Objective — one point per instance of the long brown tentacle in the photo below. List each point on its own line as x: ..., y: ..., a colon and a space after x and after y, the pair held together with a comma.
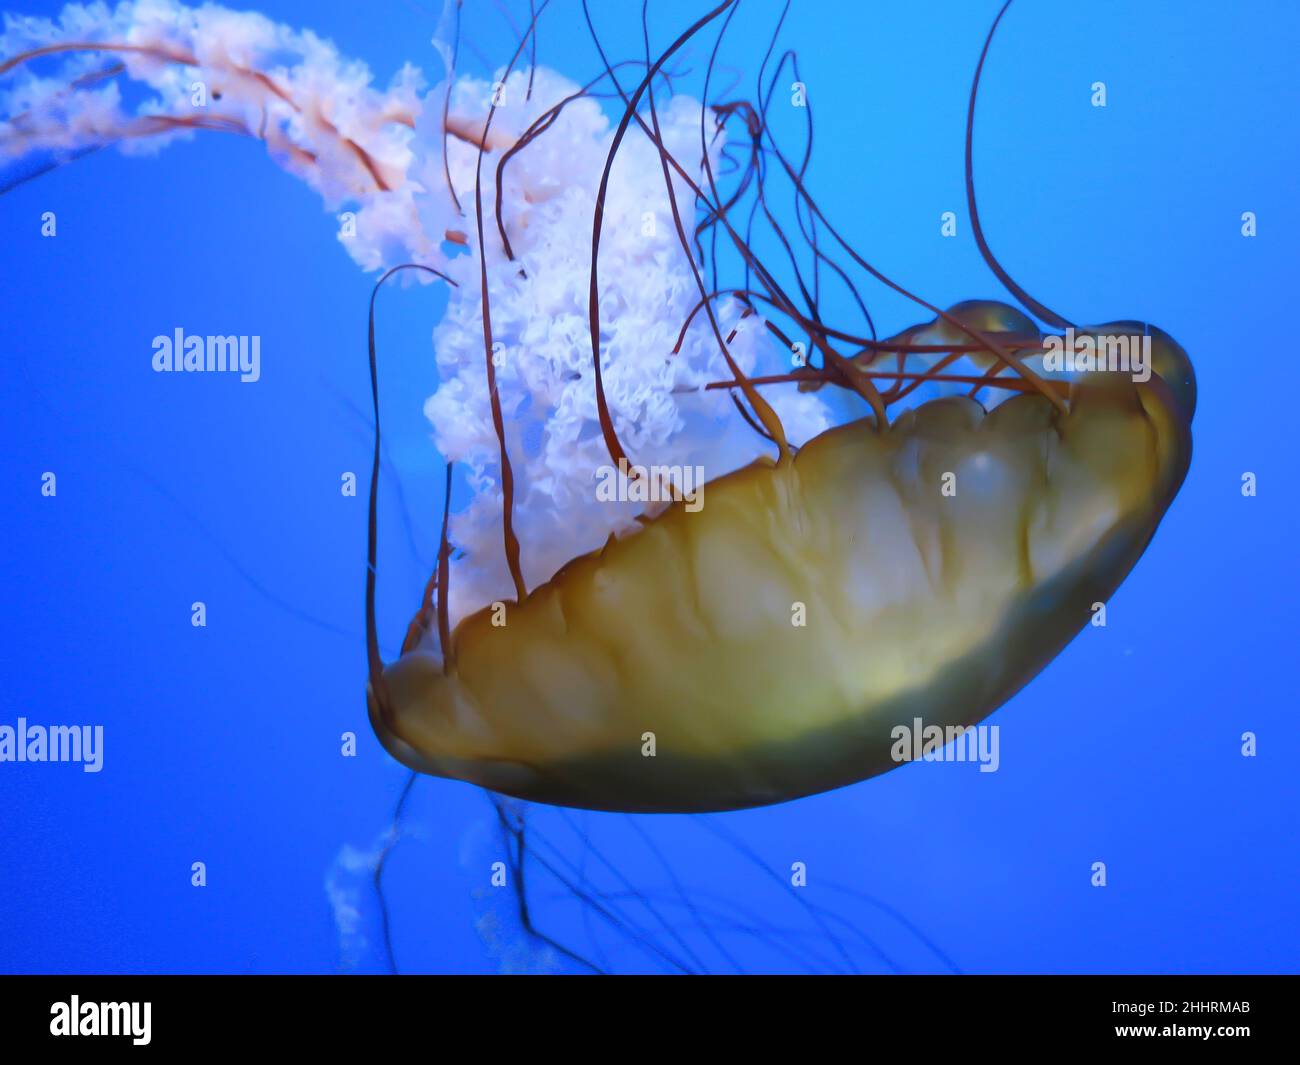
x: 762, y: 409
x: 612, y: 444
x: 374, y: 659
x: 508, y: 535
x: 1028, y: 301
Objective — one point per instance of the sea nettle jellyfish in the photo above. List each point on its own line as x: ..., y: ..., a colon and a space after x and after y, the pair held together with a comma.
x: 684, y: 583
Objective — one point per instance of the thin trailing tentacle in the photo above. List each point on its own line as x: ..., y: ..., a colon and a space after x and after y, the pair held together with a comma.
x: 762, y: 409
x: 508, y: 535
x: 377, y: 880
x: 612, y: 444
x: 374, y: 659
x: 1032, y: 305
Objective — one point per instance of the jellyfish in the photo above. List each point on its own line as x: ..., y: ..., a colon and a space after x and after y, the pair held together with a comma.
x: 770, y: 644
x: 687, y: 581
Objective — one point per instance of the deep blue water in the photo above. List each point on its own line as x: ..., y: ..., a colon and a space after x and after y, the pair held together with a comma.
x: 222, y: 744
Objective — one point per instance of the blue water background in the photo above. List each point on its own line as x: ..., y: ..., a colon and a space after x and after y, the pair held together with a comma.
x: 223, y: 743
